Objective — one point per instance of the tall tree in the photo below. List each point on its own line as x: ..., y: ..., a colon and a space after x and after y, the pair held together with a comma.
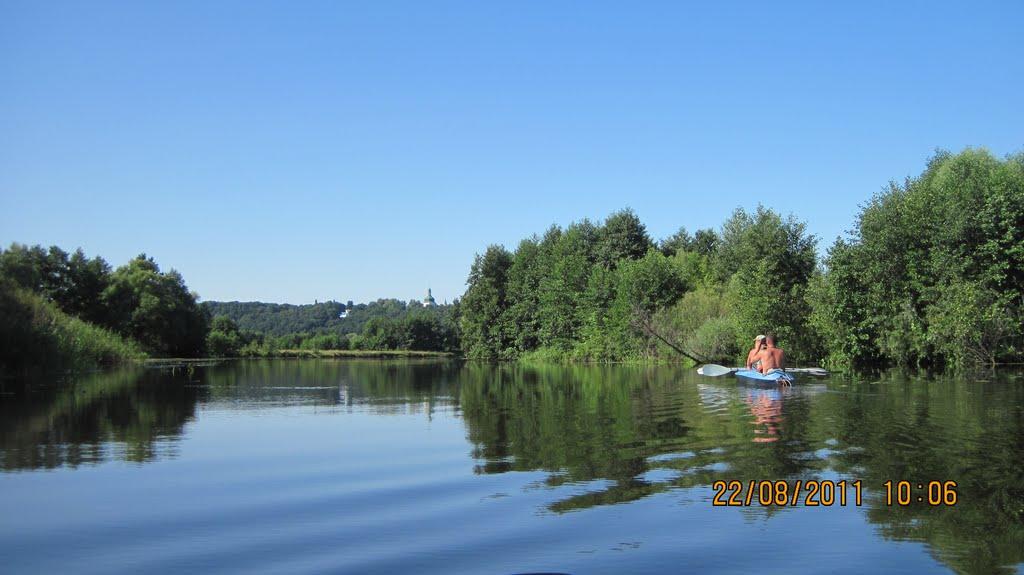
x: 622, y: 236
x: 524, y: 279
x: 767, y: 261
x: 484, y: 304
x: 680, y: 241
x: 156, y: 309
x: 87, y: 278
x: 561, y: 289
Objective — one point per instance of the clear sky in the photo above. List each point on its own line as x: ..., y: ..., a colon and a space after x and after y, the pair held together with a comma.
x: 292, y: 151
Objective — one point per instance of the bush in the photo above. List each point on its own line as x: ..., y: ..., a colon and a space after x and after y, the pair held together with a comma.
x: 971, y: 324
x: 701, y: 323
x: 933, y: 272
x: 715, y: 340
x: 35, y: 333
x: 325, y: 341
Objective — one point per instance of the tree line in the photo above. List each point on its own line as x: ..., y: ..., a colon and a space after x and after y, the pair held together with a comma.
x: 330, y: 317
x: 137, y: 302
x: 413, y: 327
x: 71, y: 311
x: 279, y: 319
x: 931, y: 275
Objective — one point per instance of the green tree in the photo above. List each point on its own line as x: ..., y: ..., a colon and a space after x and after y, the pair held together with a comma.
x: 383, y: 333
x: 29, y: 268
x: 644, y: 286
x: 597, y: 325
x: 51, y: 274
x: 524, y: 278
x: 224, y: 339
x: 839, y: 310
x: 424, y: 332
x: 680, y: 241
x: 766, y: 262
x: 705, y: 242
x: 156, y: 309
x: 621, y: 237
x: 484, y: 303
x: 650, y: 283
x: 933, y: 272
x: 562, y: 287
x: 87, y: 278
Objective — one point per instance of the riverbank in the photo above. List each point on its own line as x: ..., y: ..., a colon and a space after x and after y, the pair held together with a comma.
x: 309, y: 354
x: 36, y: 335
x: 360, y: 353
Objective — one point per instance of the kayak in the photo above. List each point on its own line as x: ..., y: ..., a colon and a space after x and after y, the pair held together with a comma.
x: 775, y: 377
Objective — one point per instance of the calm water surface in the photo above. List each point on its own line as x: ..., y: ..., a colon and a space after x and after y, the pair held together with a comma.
x: 427, y: 467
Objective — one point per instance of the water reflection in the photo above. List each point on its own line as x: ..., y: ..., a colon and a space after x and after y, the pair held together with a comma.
x: 766, y: 407
x: 601, y: 435
x: 133, y: 414
x: 625, y: 433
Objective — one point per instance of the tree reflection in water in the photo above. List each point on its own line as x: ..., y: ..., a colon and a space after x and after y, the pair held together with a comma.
x: 131, y: 414
x: 601, y: 434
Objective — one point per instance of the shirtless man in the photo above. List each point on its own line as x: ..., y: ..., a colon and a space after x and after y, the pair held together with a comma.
x: 771, y: 357
x: 752, y: 354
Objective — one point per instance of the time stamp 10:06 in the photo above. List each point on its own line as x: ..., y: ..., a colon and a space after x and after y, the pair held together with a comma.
x: 826, y: 493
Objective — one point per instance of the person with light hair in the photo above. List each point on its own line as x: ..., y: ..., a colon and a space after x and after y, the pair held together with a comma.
x: 752, y: 361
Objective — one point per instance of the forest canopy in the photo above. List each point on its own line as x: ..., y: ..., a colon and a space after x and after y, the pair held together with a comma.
x: 932, y: 275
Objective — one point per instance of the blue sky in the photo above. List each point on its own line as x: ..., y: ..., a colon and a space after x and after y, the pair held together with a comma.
x: 292, y: 151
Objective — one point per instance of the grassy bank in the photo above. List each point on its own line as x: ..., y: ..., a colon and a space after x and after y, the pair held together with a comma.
x: 35, y: 334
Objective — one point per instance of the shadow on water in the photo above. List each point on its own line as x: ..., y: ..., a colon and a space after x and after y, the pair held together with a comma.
x: 601, y: 435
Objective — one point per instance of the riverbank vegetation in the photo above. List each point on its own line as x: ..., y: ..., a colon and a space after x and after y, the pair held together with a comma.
x: 933, y: 272
x: 608, y: 292
x: 137, y: 301
x: 79, y: 313
x: 385, y: 325
x: 932, y: 275
x: 67, y: 311
x: 35, y: 332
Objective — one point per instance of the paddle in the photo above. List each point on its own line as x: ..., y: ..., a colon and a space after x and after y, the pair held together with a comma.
x: 715, y: 370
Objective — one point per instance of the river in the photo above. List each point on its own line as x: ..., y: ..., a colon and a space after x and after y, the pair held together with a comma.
x: 361, y: 466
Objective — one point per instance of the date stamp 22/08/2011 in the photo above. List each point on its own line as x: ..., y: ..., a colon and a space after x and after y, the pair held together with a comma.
x: 826, y: 493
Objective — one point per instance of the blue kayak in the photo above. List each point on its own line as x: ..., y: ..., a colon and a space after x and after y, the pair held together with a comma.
x: 775, y: 377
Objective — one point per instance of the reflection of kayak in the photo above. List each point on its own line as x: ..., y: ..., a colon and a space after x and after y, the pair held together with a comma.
x: 773, y: 378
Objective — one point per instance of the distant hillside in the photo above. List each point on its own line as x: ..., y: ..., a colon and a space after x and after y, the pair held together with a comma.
x: 282, y: 319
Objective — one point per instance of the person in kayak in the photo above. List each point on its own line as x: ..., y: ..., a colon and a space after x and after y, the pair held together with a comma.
x: 752, y: 361
x: 772, y: 358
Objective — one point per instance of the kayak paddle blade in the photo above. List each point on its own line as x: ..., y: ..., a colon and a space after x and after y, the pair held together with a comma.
x: 714, y: 370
